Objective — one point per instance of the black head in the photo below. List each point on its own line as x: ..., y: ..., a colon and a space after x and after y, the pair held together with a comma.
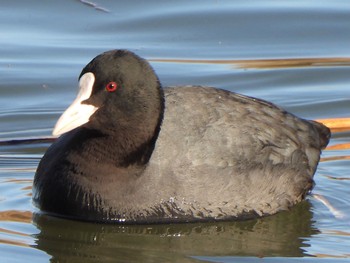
x: 126, y: 91
x: 120, y: 97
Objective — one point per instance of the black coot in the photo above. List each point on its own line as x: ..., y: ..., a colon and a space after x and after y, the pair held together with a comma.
x: 132, y: 152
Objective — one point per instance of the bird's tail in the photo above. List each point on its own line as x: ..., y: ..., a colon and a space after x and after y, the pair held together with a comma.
x: 324, y: 133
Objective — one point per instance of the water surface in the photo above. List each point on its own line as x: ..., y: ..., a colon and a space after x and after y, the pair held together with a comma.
x: 293, y: 53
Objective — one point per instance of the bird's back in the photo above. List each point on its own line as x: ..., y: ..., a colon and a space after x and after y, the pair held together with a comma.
x: 221, y: 154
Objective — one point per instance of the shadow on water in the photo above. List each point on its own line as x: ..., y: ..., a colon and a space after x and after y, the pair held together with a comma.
x: 275, y: 236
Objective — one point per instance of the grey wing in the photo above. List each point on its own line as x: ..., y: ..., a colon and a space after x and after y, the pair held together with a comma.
x: 240, y: 152
x: 223, y: 128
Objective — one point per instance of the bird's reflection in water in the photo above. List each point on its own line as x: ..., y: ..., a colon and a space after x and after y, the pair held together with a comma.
x: 73, y: 241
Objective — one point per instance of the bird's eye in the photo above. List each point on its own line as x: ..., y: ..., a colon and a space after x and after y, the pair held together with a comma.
x: 111, y: 86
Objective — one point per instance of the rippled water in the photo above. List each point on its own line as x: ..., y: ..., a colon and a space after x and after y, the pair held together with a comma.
x: 293, y: 53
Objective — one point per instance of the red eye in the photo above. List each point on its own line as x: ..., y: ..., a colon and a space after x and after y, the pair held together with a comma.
x: 111, y: 86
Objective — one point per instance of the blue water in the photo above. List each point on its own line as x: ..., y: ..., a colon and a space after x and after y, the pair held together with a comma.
x: 45, y: 44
